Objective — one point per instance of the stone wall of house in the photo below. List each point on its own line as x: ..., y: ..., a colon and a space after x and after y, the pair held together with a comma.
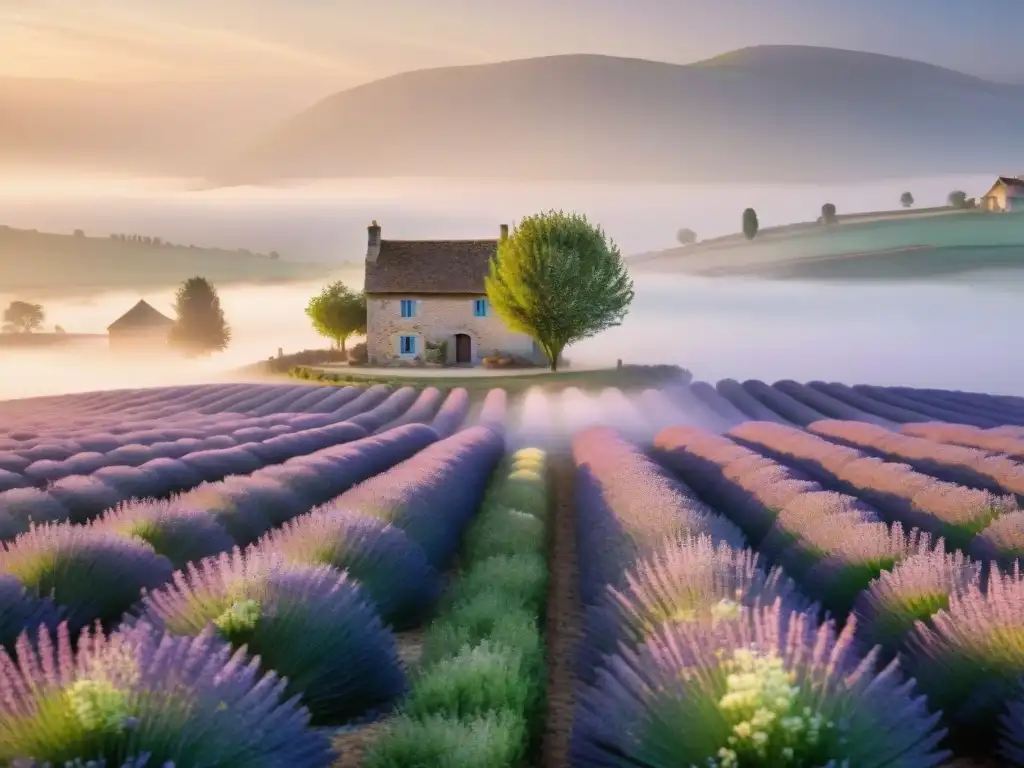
x: 438, y: 318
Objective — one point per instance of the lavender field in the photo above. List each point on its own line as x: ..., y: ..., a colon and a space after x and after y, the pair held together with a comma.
x: 729, y: 575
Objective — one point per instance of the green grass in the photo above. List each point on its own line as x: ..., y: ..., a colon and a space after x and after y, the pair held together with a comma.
x: 477, y: 698
x: 627, y: 377
x: 957, y: 231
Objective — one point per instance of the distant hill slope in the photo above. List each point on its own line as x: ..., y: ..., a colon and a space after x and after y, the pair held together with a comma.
x: 36, y: 264
x: 774, y: 113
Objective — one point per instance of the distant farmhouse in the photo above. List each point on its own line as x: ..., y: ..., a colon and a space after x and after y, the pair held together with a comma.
x: 140, y: 329
x: 429, y: 294
x: 1007, y: 194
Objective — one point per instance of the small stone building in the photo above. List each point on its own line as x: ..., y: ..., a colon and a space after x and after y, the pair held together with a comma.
x: 1007, y: 194
x: 420, y: 293
x: 141, y: 329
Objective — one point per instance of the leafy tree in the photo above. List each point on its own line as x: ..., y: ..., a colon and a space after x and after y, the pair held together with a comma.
x: 957, y: 199
x: 828, y: 213
x: 337, y: 313
x: 750, y: 223
x: 59, y: 329
x: 686, y: 236
x: 906, y: 200
x: 23, y: 317
x: 79, y: 233
x: 200, y: 328
x: 559, y: 279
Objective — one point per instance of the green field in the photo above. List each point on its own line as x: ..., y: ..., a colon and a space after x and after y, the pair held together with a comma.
x: 627, y: 377
x: 41, y: 264
x: 953, y: 242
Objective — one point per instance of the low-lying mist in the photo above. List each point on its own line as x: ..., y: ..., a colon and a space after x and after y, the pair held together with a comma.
x: 955, y: 335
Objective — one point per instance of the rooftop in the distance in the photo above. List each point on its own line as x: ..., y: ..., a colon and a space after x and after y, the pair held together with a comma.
x: 142, y: 315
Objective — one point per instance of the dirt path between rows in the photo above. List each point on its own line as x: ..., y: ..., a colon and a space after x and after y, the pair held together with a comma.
x: 562, y: 629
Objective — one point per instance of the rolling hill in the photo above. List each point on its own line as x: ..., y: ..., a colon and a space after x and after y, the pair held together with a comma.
x: 771, y: 113
x: 41, y: 264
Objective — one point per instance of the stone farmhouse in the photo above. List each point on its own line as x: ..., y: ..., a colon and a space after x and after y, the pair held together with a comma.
x: 1007, y: 194
x: 425, y: 295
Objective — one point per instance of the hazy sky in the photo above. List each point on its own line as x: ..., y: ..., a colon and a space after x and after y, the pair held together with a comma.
x: 343, y: 42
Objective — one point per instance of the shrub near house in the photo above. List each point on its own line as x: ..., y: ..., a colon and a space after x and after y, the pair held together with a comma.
x: 426, y: 302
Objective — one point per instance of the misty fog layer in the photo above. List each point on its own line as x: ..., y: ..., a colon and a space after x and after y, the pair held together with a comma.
x: 327, y: 221
x: 955, y: 335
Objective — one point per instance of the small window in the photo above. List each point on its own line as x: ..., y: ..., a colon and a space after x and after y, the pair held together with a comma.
x: 408, y: 308
x: 480, y: 307
x: 407, y: 345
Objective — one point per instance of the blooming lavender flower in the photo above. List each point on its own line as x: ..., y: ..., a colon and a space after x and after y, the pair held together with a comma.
x: 94, y: 575
x: 626, y: 506
x: 21, y: 612
x: 174, y: 530
x: 391, y: 568
x: 914, y: 590
x: 246, y: 507
x: 314, y: 626
x: 25, y: 506
x: 1002, y: 541
x: 433, y: 495
x: 1011, y: 743
x: 140, y: 697
x: 968, y: 659
x: 689, y: 579
x: 764, y: 689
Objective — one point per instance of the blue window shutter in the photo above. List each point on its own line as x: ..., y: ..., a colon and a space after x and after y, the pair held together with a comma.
x: 408, y: 307
x: 480, y: 307
x: 412, y: 345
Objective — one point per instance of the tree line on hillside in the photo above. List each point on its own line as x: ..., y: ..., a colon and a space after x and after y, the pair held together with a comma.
x: 157, y: 242
x: 957, y: 199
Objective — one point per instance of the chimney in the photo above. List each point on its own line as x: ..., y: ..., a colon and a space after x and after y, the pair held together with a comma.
x: 372, y: 242
x: 504, y: 231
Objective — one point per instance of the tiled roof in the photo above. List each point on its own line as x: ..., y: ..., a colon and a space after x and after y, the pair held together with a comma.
x: 430, y: 266
x: 142, y: 315
x: 1012, y: 181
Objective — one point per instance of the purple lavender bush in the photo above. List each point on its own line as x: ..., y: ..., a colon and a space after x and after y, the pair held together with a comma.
x: 143, y: 698
x: 1011, y: 742
x: 313, y: 626
x: 27, y: 506
x: 626, y: 507
x: 390, y: 567
x: 246, y: 507
x: 914, y: 590
x: 433, y: 495
x: 1002, y: 541
x: 84, y: 496
x: 93, y: 575
x: 20, y: 611
x: 766, y: 689
x: 967, y: 659
x: 452, y: 413
x: 178, y: 532
x: 687, y: 580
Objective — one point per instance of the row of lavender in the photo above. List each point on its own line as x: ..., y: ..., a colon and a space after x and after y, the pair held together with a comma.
x: 687, y: 627
x: 34, y: 417
x: 306, y: 592
x: 791, y: 403
x: 82, y: 486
